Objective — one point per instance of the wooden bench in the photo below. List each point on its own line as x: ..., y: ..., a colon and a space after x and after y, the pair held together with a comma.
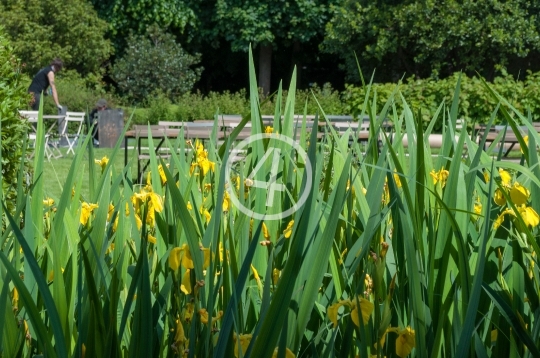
x: 507, y: 141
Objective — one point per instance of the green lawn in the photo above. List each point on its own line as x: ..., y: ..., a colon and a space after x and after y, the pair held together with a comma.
x: 56, y: 170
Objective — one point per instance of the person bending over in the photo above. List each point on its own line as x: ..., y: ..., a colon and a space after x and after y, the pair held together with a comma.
x: 41, y: 81
x: 101, y: 105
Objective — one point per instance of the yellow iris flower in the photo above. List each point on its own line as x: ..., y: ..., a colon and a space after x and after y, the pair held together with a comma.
x: 162, y: 174
x: 102, y: 162
x: 204, y: 316
x: 245, y: 340
x: 227, y: 203
x: 405, y: 342
x: 182, y: 256
x: 48, y: 202
x: 499, y: 197
x: 266, y: 234
x: 506, y: 178
x: 288, y: 231
x: 366, y: 308
x: 439, y: 177
x: 86, y: 211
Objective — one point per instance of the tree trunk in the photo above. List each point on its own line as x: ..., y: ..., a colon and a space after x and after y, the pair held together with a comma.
x: 265, y: 67
x: 296, y: 60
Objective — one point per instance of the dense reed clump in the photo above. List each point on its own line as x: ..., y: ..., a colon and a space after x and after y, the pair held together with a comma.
x: 393, y: 253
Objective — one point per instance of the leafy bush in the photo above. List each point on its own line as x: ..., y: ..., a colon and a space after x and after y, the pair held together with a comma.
x: 476, y: 102
x: 77, y: 93
x: 155, y: 62
x: 13, y: 97
x: 195, y: 106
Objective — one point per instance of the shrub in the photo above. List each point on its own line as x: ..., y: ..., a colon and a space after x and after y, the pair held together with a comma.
x: 476, y: 102
x: 77, y: 93
x: 155, y: 62
x: 14, y: 97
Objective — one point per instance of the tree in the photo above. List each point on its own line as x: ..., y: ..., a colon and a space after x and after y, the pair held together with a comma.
x: 155, y: 62
x: 431, y: 38
x: 41, y: 30
x: 127, y: 17
x: 268, y: 25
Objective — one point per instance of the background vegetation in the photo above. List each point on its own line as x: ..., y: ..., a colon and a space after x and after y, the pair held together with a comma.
x: 14, y: 164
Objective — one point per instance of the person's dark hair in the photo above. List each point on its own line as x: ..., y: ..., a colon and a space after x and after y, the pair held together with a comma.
x: 57, y: 63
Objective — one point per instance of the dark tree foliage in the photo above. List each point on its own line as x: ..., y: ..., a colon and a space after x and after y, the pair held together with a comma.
x: 41, y: 30
x: 126, y: 17
x: 155, y: 62
x: 433, y: 38
x: 270, y: 25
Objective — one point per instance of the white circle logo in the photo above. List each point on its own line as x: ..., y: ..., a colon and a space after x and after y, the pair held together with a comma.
x: 272, y: 186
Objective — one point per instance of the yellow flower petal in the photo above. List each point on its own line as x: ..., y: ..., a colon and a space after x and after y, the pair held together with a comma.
x: 288, y: 231
x: 519, y: 194
x: 186, y: 259
x: 266, y: 234
x: 505, y: 177
x: 499, y: 197
x: 477, y: 208
x: 366, y: 308
x: 186, y: 283
x: 332, y: 312
x: 162, y: 175
x: 288, y: 353
x: 174, y: 258
x: 275, y: 276
x: 204, y: 315
x: 179, y: 337
x: 530, y: 216
x: 244, y: 339
x: 405, y: 342
x: 434, y: 175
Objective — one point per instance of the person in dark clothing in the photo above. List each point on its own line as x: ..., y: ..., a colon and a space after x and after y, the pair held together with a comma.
x: 101, y: 105
x: 42, y: 80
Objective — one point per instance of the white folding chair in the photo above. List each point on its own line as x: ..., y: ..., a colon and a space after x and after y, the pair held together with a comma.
x: 32, y: 117
x: 74, y: 117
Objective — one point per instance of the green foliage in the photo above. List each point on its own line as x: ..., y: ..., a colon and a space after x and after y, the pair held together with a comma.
x: 125, y: 17
x: 77, y: 93
x: 41, y: 30
x: 380, y: 260
x: 434, y: 38
x: 476, y: 102
x: 14, y: 97
x: 155, y: 62
x: 195, y: 106
x: 269, y: 22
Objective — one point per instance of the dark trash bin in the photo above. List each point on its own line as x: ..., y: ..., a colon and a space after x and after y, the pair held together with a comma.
x: 110, y: 126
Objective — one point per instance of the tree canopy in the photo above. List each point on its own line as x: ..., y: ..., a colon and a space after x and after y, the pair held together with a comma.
x: 126, y: 17
x: 155, y: 62
x: 269, y: 24
x: 41, y: 30
x: 432, y: 38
